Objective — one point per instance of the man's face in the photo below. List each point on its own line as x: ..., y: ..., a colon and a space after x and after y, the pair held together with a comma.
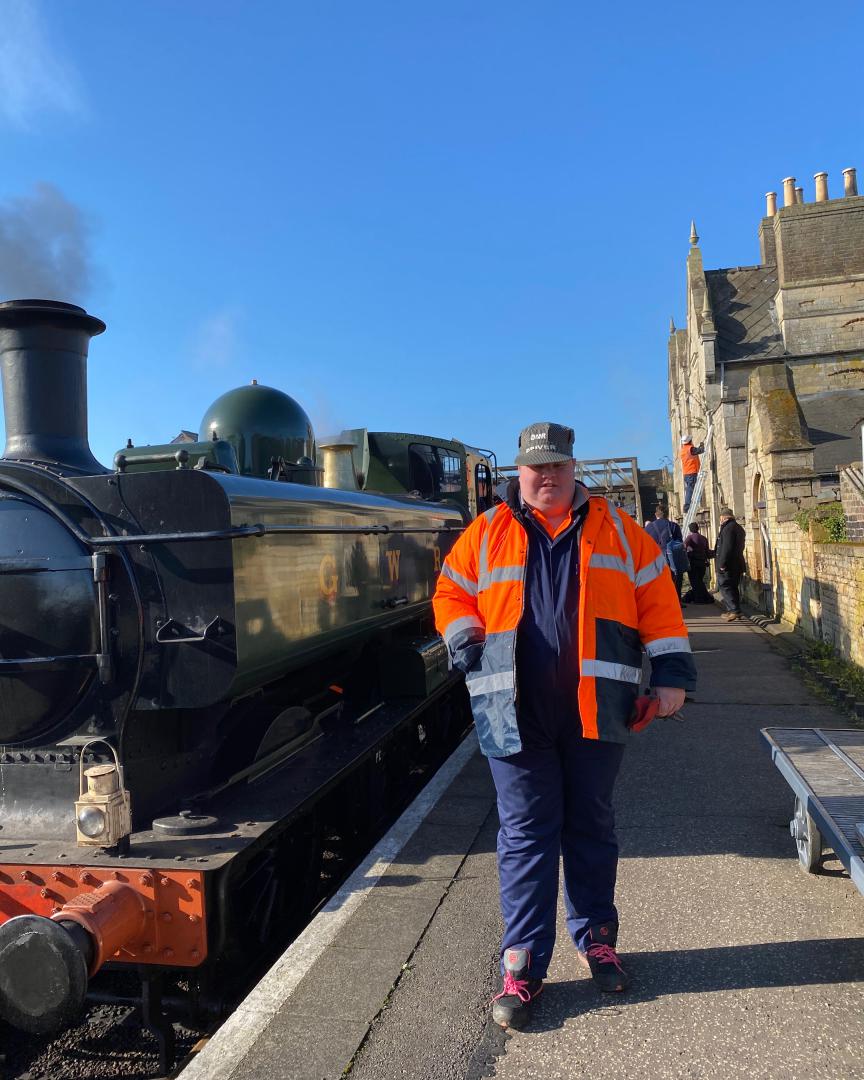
x: 548, y: 488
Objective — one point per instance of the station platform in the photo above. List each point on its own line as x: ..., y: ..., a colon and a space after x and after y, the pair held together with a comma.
x: 742, y: 965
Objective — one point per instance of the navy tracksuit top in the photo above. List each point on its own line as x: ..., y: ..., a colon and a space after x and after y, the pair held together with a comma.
x: 547, y: 674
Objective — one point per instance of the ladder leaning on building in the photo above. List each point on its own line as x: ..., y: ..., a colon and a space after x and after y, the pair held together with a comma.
x: 696, y: 497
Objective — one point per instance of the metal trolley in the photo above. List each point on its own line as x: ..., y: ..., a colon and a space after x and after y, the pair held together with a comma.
x: 825, y: 769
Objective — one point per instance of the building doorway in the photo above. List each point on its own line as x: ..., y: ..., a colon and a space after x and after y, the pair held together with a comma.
x: 765, y: 561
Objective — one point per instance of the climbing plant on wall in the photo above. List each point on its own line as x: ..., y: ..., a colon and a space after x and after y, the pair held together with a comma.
x: 830, y: 521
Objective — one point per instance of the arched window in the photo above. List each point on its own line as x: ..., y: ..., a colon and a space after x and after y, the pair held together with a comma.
x: 760, y: 517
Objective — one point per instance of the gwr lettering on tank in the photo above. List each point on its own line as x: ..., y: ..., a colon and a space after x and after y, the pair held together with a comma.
x: 328, y: 578
x: 393, y: 556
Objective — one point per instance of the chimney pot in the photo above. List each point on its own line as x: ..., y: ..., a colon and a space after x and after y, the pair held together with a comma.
x: 43, y: 362
x: 789, y: 191
x: 799, y: 195
x: 821, y: 179
x: 770, y: 203
x: 850, y: 182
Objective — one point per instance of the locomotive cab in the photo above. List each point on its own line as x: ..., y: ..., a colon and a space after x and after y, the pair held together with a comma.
x: 436, y: 470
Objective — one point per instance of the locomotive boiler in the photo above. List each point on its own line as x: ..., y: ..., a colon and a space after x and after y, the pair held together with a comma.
x: 196, y: 647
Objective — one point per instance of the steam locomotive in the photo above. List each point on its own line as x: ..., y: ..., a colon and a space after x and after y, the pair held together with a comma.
x: 195, y: 646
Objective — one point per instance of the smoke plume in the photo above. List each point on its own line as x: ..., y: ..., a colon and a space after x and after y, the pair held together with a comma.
x: 44, y: 247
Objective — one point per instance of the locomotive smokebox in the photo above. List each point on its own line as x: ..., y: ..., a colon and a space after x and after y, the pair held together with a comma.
x: 43, y: 358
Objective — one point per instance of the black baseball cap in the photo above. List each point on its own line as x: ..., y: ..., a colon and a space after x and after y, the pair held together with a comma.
x: 544, y: 444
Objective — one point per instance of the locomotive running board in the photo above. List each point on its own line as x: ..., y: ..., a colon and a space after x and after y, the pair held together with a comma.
x: 247, y: 813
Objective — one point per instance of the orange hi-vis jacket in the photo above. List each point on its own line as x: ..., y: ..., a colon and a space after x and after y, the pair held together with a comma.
x: 689, y: 460
x: 627, y: 605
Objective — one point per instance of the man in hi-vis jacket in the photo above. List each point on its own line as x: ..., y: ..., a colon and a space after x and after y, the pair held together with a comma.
x: 547, y: 603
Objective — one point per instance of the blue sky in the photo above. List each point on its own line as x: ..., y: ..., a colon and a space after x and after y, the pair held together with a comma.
x: 453, y: 218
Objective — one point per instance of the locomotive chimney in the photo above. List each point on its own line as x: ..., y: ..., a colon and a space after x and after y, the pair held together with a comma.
x: 43, y: 359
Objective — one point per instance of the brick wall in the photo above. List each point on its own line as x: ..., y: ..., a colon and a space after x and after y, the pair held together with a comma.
x: 839, y: 571
x: 852, y: 497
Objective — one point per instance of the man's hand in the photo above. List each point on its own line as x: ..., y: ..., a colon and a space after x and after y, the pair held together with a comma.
x: 671, y: 699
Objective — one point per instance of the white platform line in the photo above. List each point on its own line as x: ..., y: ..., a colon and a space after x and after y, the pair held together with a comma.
x: 231, y: 1043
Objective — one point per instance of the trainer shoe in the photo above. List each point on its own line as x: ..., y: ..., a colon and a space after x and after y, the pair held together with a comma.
x: 512, y: 1007
x: 731, y: 616
x: 600, y: 956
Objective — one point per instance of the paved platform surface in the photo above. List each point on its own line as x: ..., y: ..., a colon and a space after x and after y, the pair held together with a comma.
x: 743, y: 966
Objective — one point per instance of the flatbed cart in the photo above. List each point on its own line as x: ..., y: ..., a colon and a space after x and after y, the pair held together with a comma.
x: 825, y: 769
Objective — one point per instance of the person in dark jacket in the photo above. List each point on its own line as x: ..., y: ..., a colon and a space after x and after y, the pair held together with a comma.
x: 662, y: 531
x: 698, y: 553
x: 729, y: 560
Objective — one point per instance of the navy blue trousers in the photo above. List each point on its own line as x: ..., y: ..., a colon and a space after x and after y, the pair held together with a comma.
x: 555, y: 802
x: 689, y: 485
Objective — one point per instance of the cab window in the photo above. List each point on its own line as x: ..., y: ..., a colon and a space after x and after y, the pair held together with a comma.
x: 433, y: 471
x: 483, y: 487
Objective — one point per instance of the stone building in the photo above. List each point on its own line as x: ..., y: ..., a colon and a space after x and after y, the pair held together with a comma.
x: 772, y: 356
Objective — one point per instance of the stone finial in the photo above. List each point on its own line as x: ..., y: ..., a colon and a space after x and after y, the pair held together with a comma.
x: 850, y: 182
x: 707, y: 310
x: 671, y: 325
x: 770, y: 203
x: 821, y: 179
x: 789, y: 191
x: 694, y: 236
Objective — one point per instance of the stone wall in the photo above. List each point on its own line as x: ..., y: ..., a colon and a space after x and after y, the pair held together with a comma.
x: 815, y: 586
x: 785, y: 589
x: 830, y: 373
x: 820, y: 240
x: 822, y: 318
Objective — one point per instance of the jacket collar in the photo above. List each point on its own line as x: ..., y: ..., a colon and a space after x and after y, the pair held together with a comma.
x: 520, y: 508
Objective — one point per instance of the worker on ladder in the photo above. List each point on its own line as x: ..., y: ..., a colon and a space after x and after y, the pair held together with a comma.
x: 690, y: 467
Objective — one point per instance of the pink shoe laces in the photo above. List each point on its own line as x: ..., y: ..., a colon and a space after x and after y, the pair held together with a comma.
x: 604, y: 954
x: 518, y: 987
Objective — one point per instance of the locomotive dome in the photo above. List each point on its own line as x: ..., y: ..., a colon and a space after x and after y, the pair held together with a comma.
x: 261, y: 423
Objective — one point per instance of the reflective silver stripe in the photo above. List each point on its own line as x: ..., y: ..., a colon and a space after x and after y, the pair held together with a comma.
x: 665, y: 645
x: 467, y: 586
x: 489, y: 514
x: 651, y: 571
x: 483, y: 565
x: 610, y: 562
x: 489, y: 684
x: 467, y: 622
x: 485, y: 577
x: 622, y: 536
x: 602, y: 669
x: 501, y: 573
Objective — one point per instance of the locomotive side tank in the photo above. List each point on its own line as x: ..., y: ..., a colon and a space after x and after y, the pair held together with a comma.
x: 184, y: 632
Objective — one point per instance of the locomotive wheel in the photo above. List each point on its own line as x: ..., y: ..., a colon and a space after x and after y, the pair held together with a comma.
x: 807, y: 838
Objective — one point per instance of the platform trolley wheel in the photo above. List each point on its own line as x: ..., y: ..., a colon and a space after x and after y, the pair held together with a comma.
x: 807, y: 838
